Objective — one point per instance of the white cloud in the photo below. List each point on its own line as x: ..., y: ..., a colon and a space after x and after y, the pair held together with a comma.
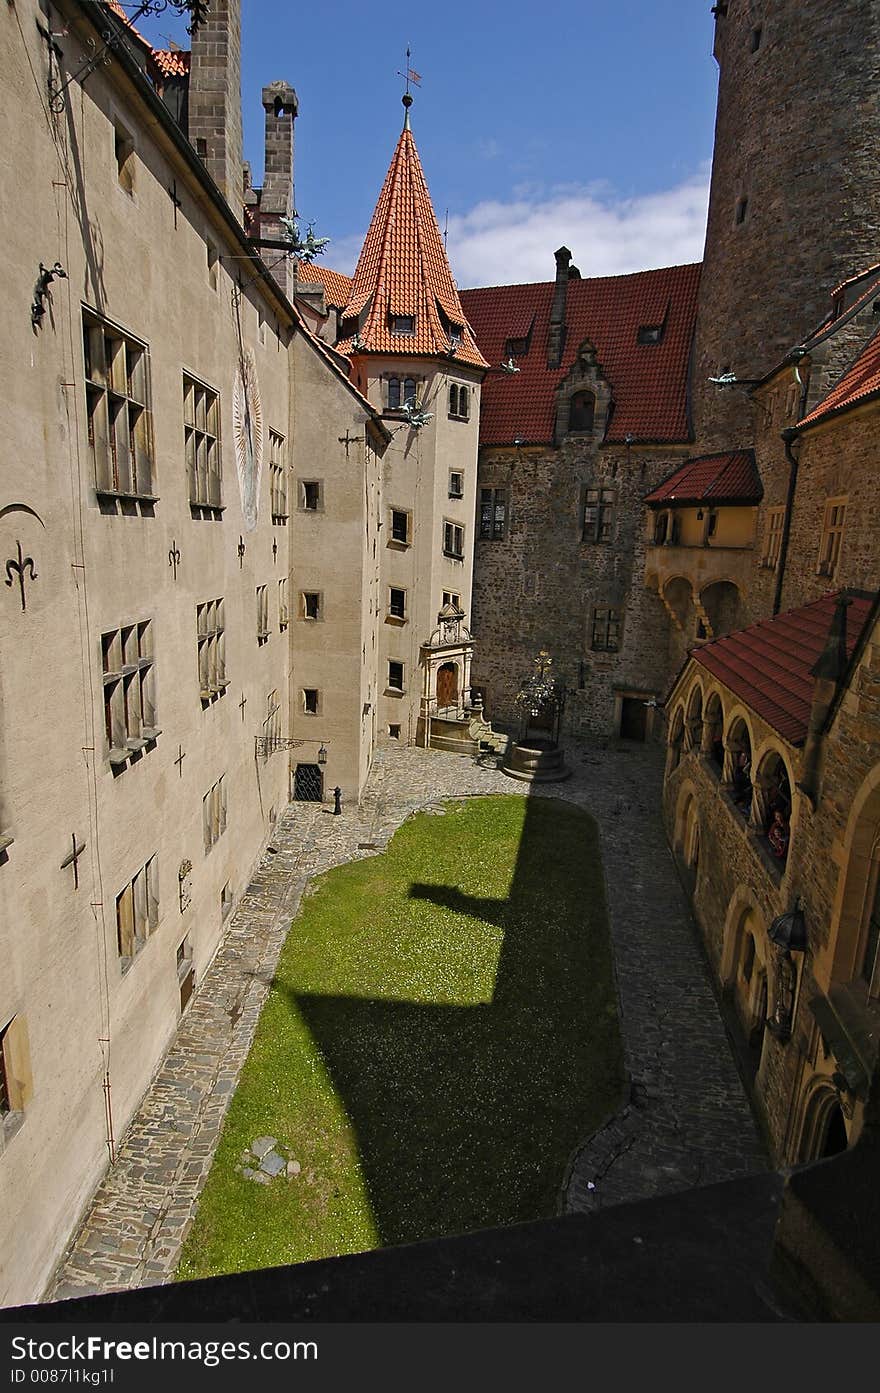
x: 503, y: 243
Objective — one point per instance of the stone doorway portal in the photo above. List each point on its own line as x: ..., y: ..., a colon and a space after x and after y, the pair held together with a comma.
x: 447, y: 686
x: 633, y: 718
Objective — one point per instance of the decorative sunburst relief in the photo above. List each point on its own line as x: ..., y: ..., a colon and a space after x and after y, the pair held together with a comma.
x: 247, y: 430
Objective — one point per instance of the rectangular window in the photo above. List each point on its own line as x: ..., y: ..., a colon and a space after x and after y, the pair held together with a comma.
x: 606, y: 630
x: 129, y: 689
x: 278, y: 477
x: 456, y: 484
x: 211, y: 641
x: 311, y: 604
x: 453, y: 541
x: 283, y: 612
x: 262, y: 613
x: 137, y: 910
x: 118, y: 416
x: 185, y: 971
x: 123, y: 147
x: 773, y: 538
x: 832, y: 536
x: 599, y: 515
x: 310, y: 495
x: 395, y: 676
x: 403, y: 324
x: 310, y: 701
x: 397, y: 603
x: 493, y: 514
x: 400, y: 526
x: 451, y: 597
x: 214, y: 812
x: 201, y: 437
x: 16, y: 1084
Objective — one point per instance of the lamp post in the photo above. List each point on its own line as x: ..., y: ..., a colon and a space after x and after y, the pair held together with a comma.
x: 789, y: 933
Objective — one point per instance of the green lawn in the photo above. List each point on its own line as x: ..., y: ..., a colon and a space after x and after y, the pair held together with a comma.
x: 440, y: 1035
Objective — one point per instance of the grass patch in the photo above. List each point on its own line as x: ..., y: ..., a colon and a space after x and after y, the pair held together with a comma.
x: 441, y: 1033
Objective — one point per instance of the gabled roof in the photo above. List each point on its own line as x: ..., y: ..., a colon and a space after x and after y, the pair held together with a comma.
x: 403, y: 270
x: 768, y: 664
x: 726, y: 478
x: 859, y: 384
x: 337, y: 287
x: 648, y: 381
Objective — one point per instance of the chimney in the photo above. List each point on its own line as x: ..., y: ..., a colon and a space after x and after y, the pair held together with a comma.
x: 828, y: 671
x: 556, y: 336
x: 214, y: 119
x: 276, y: 197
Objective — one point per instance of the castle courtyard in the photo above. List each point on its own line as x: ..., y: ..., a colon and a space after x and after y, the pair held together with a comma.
x: 682, y: 1120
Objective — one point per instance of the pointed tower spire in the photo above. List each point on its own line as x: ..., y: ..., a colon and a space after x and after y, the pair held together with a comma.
x: 403, y: 298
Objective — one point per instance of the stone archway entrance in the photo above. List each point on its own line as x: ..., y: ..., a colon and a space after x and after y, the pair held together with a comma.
x: 447, y: 686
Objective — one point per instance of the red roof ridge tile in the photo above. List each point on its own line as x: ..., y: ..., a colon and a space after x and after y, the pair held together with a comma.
x: 727, y: 476
x: 857, y: 385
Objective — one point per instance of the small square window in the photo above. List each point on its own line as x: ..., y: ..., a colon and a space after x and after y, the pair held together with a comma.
x: 649, y: 333
x: 395, y: 676
x: 310, y: 701
x: 311, y: 604
x: 403, y: 324
x: 310, y: 495
x: 451, y: 597
x: 394, y: 732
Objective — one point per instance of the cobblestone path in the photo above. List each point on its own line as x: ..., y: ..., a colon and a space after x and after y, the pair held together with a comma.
x: 689, y: 1122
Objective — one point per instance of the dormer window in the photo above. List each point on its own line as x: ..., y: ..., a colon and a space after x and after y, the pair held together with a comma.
x: 403, y: 324
x: 516, y: 348
x: 581, y: 411
x: 649, y: 333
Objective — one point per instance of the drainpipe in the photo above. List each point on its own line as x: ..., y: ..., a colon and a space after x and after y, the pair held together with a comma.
x: 788, y: 437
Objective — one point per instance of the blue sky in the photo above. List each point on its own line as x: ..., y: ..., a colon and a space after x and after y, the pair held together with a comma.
x: 536, y: 123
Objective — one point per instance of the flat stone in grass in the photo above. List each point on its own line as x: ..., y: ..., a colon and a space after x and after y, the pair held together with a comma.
x: 258, y: 1176
x: 262, y: 1145
x: 272, y: 1163
x: 293, y: 1168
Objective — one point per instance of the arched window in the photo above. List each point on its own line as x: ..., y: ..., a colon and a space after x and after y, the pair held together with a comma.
x: 713, y: 718
x: 676, y: 739
x: 453, y: 400
x: 870, y: 968
x: 741, y: 775
x: 463, y: 401
x: 694, y: 735
x: 394, y: 394
x: 409, y: 391
x: 771, y: 811
x: 581, y: 410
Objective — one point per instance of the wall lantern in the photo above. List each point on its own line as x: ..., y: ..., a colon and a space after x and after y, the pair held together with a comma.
x: 322, y: 755
x: 789, y: 931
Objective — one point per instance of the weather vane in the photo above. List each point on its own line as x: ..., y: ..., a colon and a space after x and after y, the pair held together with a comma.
x: 411, y: 76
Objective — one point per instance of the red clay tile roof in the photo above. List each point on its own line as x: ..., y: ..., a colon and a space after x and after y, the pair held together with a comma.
x: 648, y: 381
x: 859, y: 384
x: 768, y: 664
x: 402, y: 270
x: 172, y: 62
x: 726, y: 478
x: 857, y: 277
x: 337, y: 287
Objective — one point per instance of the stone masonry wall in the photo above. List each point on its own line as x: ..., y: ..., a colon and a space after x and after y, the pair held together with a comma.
x: 538, y: 586
x: 793, y: 104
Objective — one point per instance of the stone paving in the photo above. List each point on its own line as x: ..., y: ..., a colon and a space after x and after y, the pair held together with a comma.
x: 686, y: 1123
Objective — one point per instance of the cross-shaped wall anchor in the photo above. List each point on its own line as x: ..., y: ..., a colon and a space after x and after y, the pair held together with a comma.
x: 274, y: 549
x: 76, y: 852
x: 241, y: 551
x: 242, y: 704
x: 172, y: 194
x: 347, y: 440
x: 181, y: 756
x: 174, y: 557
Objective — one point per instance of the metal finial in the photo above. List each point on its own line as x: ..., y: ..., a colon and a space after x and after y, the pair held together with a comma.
x: 411, y: 76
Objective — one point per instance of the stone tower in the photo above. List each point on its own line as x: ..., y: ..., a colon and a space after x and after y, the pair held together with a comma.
x: 795, y: 195
x: 215, y: 125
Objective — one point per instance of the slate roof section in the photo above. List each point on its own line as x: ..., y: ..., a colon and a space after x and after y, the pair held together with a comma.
x: 859, y: 384
x: 648, y: 381
x: 403, y: 270
x: 337, y: 287
x: 768, y: 664
x: 717, y: 479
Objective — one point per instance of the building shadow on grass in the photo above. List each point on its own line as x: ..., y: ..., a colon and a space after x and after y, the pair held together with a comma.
x: 466, y: 1116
